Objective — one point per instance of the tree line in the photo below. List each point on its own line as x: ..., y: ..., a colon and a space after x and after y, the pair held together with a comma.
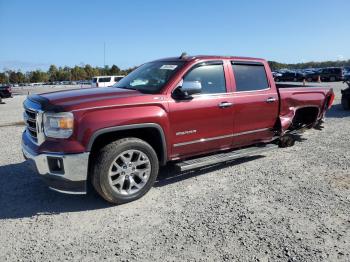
x: 56, y: 74
x: 276, y: 65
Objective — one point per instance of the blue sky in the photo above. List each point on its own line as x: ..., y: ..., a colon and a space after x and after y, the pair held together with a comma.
x: 35, y: 34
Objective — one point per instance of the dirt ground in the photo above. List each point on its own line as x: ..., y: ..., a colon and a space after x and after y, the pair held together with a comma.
x: 289, y: 204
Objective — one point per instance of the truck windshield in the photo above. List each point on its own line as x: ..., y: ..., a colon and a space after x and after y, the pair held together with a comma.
x: 150, y: 77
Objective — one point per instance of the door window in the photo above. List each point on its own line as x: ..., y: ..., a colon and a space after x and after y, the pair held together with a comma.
x: 250, y: 77
x: 211, y: 76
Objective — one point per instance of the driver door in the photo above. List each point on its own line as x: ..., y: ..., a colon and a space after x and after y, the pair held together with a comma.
x: 204, y: 123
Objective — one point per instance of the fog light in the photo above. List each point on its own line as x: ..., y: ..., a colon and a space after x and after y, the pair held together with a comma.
x: 55, y: 165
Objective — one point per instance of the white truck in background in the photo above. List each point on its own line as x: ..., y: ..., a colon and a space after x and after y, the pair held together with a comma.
x: 104, y: 81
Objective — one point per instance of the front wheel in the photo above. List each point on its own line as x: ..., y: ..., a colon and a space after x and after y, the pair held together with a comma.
x: 125, y: 170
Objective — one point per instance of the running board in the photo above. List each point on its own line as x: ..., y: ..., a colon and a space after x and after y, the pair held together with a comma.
x: 222, y: 157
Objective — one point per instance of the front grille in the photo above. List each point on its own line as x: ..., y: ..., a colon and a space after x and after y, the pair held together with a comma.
x: 30, y: 120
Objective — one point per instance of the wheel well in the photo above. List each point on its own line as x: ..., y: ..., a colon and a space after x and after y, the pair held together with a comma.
x: 149, y: 134
x: 304, y: 116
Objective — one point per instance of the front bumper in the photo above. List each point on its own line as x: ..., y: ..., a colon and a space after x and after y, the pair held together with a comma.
x: 65, y: 173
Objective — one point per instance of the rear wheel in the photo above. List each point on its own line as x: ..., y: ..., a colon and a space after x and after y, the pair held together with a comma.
x: 286, y: 141
x: 125, y: 170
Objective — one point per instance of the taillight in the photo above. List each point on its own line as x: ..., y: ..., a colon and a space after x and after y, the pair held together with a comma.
x: 96, y: 84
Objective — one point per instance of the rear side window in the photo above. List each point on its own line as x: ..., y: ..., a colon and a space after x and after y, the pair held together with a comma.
x: 104, y: 79
x: 212, y: 78
x: 118, y: 78
x: 250, y: 77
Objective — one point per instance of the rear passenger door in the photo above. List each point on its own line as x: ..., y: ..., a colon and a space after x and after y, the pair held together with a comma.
x: 255, y: 103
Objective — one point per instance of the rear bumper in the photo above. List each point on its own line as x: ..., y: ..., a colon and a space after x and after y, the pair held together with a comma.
x: 65, y: 173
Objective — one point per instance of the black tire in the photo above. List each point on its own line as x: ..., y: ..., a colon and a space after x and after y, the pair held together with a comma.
x: 286, y: 141
x: 345, y: 103
x: 106, y: 157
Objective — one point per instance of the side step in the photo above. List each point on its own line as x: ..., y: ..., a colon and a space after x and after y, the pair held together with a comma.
x: 222, y: 157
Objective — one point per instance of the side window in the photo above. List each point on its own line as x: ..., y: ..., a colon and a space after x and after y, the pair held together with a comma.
x: 117, y: 78
x: 212, y: 78
x: 104, y: 79
x: 250, y: 77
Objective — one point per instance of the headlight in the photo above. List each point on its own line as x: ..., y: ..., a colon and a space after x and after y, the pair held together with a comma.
x: 58, y: 125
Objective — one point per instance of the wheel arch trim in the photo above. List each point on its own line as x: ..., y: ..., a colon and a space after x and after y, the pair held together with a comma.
x: 106, y: 130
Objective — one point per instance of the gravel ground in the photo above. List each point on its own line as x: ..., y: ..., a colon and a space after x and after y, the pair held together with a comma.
x: 288, y: 205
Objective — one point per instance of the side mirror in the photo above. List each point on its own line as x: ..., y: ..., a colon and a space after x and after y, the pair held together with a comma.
x: 191, y: 87
x: 187, y: 89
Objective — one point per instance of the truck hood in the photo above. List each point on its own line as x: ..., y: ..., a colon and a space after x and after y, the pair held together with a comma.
x: 82, y: 98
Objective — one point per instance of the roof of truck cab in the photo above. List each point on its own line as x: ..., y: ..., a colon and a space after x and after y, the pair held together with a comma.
x: 204, y: 57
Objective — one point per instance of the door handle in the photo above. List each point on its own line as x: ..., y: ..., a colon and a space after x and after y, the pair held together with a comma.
x: 271, y: 100
x: 225, y: 104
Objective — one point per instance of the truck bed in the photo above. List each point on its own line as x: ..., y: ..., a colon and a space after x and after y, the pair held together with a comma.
x: 314, y: 100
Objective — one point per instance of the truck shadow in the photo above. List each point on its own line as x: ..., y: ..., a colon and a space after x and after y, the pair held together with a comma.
x: 337, y: 111
x: 169, y: 175
x: 23, y: 193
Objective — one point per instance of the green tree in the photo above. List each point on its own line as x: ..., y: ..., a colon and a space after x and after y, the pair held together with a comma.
x: 78, y: 73
x: 12, y: 77
x: 38, y: 76
x: 53, y: 71
x: 4, y: 78
x: 115, y: 70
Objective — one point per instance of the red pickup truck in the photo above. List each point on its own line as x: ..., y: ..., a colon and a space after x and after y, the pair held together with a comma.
x: 191, y: 111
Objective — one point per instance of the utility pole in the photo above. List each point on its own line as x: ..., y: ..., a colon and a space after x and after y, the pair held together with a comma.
x: 104, y: 57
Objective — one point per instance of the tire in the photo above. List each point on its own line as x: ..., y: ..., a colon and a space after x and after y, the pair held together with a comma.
x: 111, y: 160
x: 286, y: 141
x: 345, y: 103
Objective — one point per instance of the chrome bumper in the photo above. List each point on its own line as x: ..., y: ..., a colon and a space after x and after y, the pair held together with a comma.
x: 65, y: 173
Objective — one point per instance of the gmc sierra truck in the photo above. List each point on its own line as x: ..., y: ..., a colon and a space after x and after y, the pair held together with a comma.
x: 190, y: 111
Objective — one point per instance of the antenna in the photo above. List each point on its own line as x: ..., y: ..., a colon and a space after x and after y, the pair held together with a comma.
x: 183, y: 55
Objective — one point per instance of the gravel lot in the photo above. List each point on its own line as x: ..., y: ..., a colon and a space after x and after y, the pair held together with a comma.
x: 288, y: 205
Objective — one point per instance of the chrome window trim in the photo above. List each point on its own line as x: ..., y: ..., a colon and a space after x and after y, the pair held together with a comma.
x: 202, y: 140
x: 253, y: 91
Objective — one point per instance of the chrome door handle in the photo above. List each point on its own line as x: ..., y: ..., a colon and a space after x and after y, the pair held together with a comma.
x: 271, y: 100
x: 225, y: 104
